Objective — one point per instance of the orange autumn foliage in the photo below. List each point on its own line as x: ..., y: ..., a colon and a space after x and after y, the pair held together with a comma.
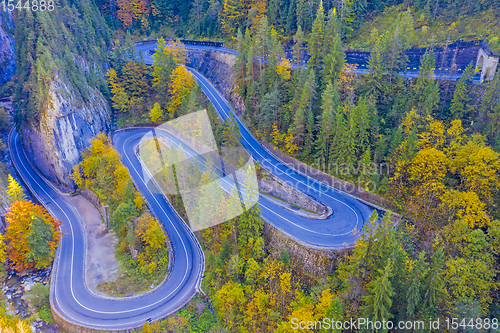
x: 27, y: 246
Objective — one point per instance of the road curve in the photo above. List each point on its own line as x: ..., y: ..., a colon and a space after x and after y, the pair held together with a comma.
x: 349, y: 214
x: 409, y: 73
x: 72, y: 299
x: 337, y: 231
x: 79, y: 306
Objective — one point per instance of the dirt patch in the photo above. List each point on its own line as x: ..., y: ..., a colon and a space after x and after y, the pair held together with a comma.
x: 101, y: 265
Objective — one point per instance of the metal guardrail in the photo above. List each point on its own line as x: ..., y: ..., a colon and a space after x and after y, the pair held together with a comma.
x: 184, y: 41
x: 202, y: 43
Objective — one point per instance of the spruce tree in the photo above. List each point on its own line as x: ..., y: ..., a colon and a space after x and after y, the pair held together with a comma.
x: 333, y: 61
x: 330, y: 103
x: 340, y: 145
x: 361, y: 121
x: 359, y: 11
x: 364, y: 165
x: 461, y: 97
x: 491, y: 106
x: 317, y: 38
x: 433, y: 290
x: 309, y: 135
x: 375, y: 81
x: 299, y: 125
x: 192, y: 105
x: 378, y: 301
x: 269, y: 109
x: 426, y: 89
x: 291, y: 21
x: 298, y: 39
x: 262, y: 42
x: 414, y: 294
x: 231, y: 133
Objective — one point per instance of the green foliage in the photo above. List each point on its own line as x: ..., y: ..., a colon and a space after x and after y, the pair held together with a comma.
x: 54, y: 45
x: 316, y: 39
x: 4, y: 120
x: 39, y: 236
x: 122, y: 214
x: 46, y: 315
x: 38, y: 296
x: 378, y: 300
x: 460, y: 104
x: 461, y: 23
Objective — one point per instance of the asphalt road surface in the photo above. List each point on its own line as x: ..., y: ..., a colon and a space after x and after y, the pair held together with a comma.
x: 349, y: 214
x: 78, y: 305
x: 72, y: 299
x: 362, y: 68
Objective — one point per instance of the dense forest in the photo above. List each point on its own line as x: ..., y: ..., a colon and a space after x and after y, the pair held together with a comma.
x: 210, y: 18
x: 68, y: 45
x: 438, y: 140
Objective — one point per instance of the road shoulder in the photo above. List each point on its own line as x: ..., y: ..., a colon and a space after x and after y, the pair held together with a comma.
x: 101, y: 263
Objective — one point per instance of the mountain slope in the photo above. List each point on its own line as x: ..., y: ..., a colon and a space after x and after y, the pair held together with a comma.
x: 60, y: 93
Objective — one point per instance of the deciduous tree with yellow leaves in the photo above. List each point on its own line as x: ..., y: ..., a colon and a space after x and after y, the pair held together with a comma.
x: 32, y: 236
x: 182, y: 83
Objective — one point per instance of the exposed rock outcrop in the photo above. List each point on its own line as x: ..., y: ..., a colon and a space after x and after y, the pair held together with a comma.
x: 65, y: 130
x: 217, y: 67
x: 280, y: 189
x: 7, y: 52
x: 60, y: 90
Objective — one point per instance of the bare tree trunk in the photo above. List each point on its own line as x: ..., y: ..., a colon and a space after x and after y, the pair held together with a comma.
x: 435, y: 9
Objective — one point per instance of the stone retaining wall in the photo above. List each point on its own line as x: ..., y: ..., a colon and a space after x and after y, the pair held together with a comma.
x: 330, y: 180
x: 217, y: 67
x: 280, y: 189
x: 317, y: 262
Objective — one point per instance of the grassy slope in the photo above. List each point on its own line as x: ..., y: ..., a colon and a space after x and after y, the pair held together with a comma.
x: 483, y: 25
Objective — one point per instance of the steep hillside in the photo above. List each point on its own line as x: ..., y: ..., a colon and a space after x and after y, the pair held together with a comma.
x: 60, y: 93
x: 481, y: 25
x: 7, y: 60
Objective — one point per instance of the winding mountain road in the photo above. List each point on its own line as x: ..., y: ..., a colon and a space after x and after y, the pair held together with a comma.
x: 362, y: 65
x: 349, y: 214
x: 72, y: 300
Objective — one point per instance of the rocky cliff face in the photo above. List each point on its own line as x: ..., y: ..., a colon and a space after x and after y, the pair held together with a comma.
x: 65, y: 130
x: 7, y: 55
x: 59, y: 92
x: 217, y: 67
